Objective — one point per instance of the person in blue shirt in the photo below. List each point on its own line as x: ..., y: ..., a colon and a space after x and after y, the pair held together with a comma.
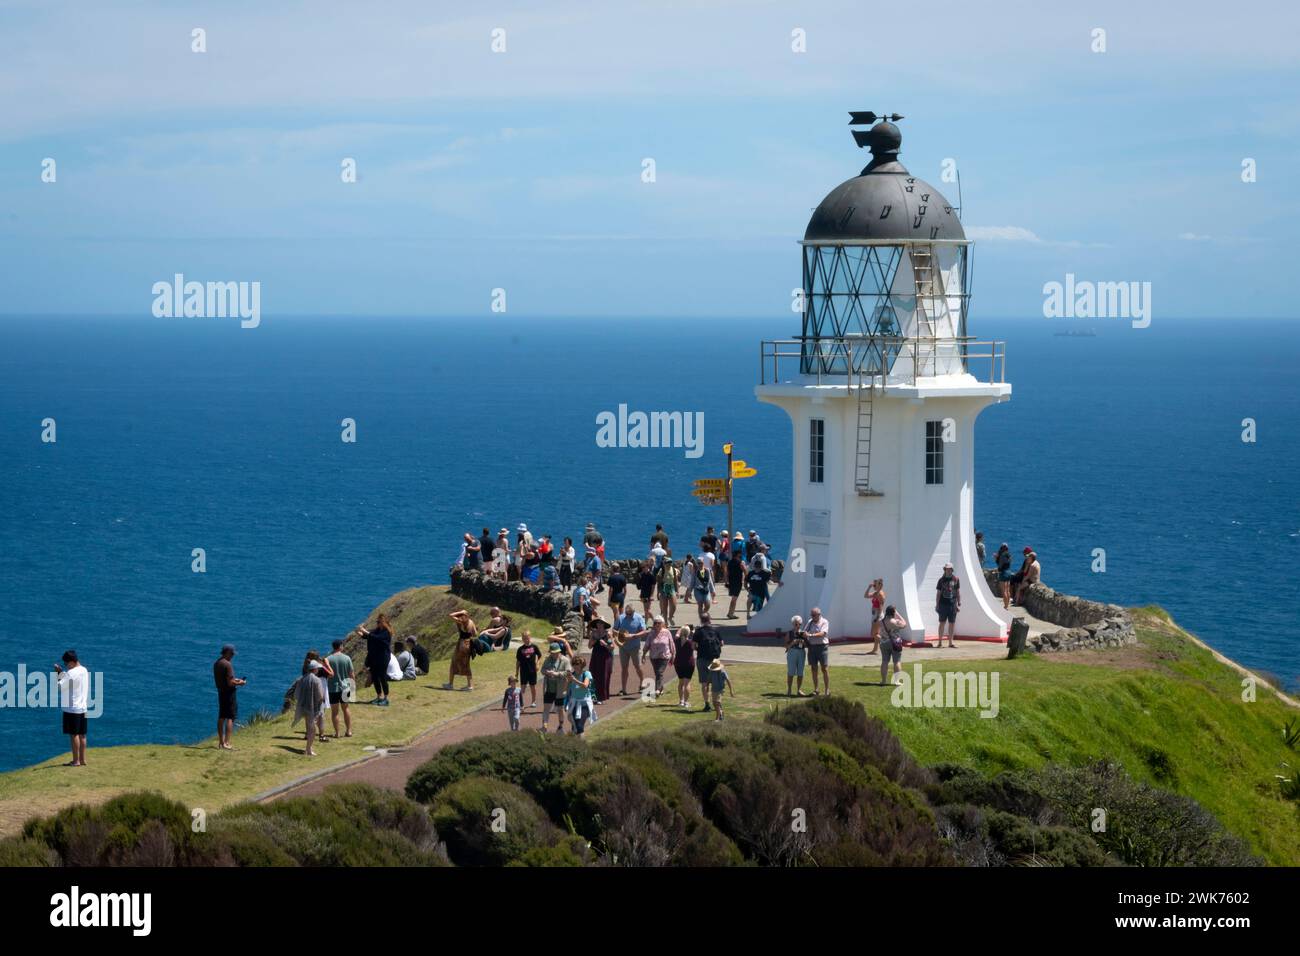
x: 629, y: 629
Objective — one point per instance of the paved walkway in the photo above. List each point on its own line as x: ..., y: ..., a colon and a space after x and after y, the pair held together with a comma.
x: 390, y: 769
x: 769, y: 650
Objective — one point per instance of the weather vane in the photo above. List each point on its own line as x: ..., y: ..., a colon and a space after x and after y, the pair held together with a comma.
x: 856, y: 118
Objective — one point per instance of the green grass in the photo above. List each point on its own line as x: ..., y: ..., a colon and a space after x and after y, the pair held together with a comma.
x: 1166, y: 710
x: 270, y: 753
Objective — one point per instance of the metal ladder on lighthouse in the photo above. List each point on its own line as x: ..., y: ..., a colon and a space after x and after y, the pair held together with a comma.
x: 862, y: 467
x: 928, y: 288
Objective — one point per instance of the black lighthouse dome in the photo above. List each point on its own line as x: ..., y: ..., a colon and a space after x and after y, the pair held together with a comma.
x: 884, y: 202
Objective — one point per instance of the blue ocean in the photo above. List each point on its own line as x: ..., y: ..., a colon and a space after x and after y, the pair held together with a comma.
x: 177, y: 434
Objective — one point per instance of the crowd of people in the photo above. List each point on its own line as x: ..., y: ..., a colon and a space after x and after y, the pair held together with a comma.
x: 576, y: 680
x: 738, y: 563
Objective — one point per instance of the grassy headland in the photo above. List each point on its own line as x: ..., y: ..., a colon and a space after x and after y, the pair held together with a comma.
x: 1166, y: 709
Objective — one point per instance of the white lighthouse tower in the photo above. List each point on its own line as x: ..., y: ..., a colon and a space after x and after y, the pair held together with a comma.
x: 882, y: 389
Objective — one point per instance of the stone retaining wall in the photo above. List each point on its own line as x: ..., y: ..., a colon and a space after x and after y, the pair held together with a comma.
x: 1082, y: 623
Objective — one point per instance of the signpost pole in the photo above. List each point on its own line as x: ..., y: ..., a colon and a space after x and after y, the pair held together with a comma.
x: 731, y: 517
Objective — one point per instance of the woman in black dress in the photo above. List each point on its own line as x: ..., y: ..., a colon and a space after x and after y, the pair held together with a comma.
x: 379, y: 642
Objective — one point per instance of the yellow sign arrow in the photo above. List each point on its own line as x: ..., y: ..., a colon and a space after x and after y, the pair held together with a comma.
x: 744, y: 472
x: 739, y: 463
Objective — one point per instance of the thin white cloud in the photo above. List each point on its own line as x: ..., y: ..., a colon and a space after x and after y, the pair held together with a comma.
x: 1002, y: 234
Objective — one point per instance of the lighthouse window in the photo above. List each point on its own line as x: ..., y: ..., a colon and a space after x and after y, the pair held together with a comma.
x: 934, y: 453
x: 817, y: 450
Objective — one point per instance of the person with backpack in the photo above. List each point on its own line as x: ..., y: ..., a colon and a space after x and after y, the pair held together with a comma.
x: 948, y: 603
x: 466, y: 642
x: 378, y: 644
x: 756, y: 583
x: 892, y: 626
x: 341, y: 687
x: 708, y: 648
x: 704, y: 582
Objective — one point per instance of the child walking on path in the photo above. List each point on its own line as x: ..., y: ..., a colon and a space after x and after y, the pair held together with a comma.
x: 512, y: 703
x: 718, y: 678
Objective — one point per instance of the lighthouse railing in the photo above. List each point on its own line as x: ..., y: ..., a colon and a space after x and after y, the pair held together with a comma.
x: 858, y: 360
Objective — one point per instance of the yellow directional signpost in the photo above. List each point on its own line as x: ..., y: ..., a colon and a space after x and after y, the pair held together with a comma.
x: 717, y: 491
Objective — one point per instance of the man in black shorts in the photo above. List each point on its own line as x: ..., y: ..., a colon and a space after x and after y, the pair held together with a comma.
x: 708, y: 648
x: 223, y: 672
x: 526, y: 660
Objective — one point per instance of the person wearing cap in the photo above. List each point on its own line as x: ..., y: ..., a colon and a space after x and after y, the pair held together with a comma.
x: 947, y: 603
x: 629, y: 630
x: 74, y: 698
x: 1033, y: 572
x: 501, y: 555
x: 719, y: 682
x: 223, y: 672
x: 308, y: 700
x: 818, y: 630
x: 555, y: 684
x: 1003, y: 562
x: 661, y: 650
x: 417, y: 652
x: 602, y: 647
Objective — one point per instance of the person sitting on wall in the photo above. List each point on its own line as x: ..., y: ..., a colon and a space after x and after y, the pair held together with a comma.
x: 1018, y: 578
x: 1032, y: 575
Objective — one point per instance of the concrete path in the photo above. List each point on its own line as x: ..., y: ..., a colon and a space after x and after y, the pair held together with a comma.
x: 390, y: 770
x: 769, y: 650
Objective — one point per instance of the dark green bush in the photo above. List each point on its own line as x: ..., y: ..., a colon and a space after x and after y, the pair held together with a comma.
x: 536, y: 762
x: 847, y: 726
x: 981, y: 836
x: 133, y: 829
x: 637, y: 812
x: 22, y: 851
x: 347, y: 825
x: 487, y: 822
x: 784, y: 799
x: 1145, y: 826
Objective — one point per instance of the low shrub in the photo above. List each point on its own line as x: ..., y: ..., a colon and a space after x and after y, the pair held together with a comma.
x: 1144, y: 825
x: 980, y: 836
x: 134, y: 829
x: 637, y: 812
x: 536, y: 762
x: 351, y: 824
x: 487, y: 822
x: 24, y: 851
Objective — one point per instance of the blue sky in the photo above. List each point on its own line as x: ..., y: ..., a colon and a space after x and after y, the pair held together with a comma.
x: 521, y: 170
